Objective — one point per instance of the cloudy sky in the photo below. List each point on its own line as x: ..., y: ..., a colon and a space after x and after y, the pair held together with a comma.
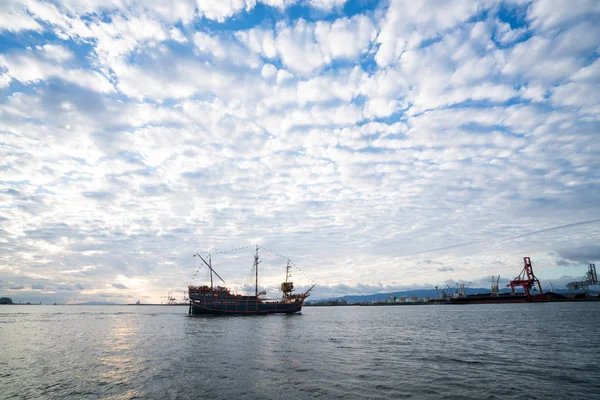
x: 381, y: 145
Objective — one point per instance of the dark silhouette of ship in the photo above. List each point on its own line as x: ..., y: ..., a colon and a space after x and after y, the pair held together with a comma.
x: 219, y: 299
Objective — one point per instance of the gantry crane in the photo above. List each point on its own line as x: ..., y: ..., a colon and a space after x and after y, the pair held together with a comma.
x: 590, y: 278
x: 526, y: 279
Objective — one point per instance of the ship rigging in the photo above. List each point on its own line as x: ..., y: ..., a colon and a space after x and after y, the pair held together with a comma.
x: 220, y: 300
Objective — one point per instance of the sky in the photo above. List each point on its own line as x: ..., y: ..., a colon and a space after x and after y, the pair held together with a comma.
x: 381, y: 145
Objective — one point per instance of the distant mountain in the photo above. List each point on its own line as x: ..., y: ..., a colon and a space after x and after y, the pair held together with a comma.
x: 431, y: 293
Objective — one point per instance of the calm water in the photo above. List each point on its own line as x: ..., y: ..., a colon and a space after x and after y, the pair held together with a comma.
x: 477, y: 351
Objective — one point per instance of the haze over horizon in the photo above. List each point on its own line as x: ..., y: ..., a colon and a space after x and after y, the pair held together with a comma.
x: 381, y: 145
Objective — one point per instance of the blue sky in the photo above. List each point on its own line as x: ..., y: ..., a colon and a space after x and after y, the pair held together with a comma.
x: 382, y: 145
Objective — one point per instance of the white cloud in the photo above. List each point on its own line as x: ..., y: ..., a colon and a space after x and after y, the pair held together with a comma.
x: 283, y: 76
x: 27, y: 68
x: 343, y: 86
x: 268, y: 71
x: 15, y: 18
x: 184, y: 79
x: 171, y: 12
x: 506, y: 35
x: 56, y: 52
x: 162, y: 136
x: 220, y: 10
x: 4, y: 80
x: 305, y: 47
x: 494, y: 93
x: 210, y: 44
x: 575, y: 94
x: 122, y: 36
x: 547, y: 60
x: 345, y: 38
x: 588, y: 73
x: 548, y: 14
x: 297, y: 47
x: 406, y: 24
x: 177, y: 36
x: 326, y: 4
x: 62, y: 24
x: 224, y: 50
x: 259, y: 41
x: 279, y: 3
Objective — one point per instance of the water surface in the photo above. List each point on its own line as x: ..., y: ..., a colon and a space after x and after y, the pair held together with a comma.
x: 501, y: 351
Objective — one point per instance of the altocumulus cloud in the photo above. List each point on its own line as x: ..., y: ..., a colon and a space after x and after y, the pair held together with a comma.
x: 119, y: 286
x: 379, y: 144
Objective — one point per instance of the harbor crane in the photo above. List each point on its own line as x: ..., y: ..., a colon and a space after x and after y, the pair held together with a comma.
x: 170, y: 299
x: 495, y: 287
x: 461, y: 290
x: 589, y: 279
x: 526, y: 279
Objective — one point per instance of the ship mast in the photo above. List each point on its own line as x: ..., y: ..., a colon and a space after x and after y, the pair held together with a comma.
x: 287, y: 271
x: 209, y: 265
x: 210, y: 268
x: 256, y: 262
x: 287, y: 286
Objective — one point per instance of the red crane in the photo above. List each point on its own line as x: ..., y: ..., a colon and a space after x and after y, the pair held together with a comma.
x: 526, y: 279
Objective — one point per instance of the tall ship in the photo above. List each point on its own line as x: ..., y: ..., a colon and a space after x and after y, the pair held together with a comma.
x: 220, y: 300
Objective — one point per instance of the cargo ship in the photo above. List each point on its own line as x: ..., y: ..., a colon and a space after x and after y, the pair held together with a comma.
x: 488, y: 298
x: 532, y: 291
x: 220, y: 300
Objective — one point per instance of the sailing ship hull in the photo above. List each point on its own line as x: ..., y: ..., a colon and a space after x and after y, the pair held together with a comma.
x: 245, y: 305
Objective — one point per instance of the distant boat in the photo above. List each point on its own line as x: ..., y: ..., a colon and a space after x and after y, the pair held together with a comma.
x: 219, y: 299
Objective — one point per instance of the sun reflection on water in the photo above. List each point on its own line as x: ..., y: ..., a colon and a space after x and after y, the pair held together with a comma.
x: 119, y: 363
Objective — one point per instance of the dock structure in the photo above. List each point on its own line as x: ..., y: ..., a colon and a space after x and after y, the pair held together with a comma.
x: 589, y: 279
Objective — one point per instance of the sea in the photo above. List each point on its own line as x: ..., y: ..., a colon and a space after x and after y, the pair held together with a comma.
x: 497, y: 351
